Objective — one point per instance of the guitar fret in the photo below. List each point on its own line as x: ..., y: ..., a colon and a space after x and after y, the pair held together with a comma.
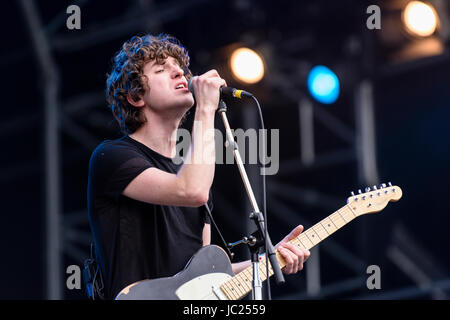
x: 237, y: 285
x: 306, y: 238
x: 335, y: 226
x: 338, y: 220
x: 313, y: 229
x: 234, y: 286
x: 346, y: 214
x: 320, y: 230
x: 310, y: 237
x: 245, y: 283
x: 227, y: 291
x: 249, y: 270
x: 341, y: 216
x: 350, y: 208
x: 249, y: 274
x: 263, y: 265
x: 231, y: 290
x: 304, y: 247
x: 297, y: 243
x: 324, y: 228
x: 349, y: 213
x: 262, y: 270
x: 242, y: 286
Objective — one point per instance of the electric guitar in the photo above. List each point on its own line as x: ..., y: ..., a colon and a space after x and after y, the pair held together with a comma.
x: 208, y: 274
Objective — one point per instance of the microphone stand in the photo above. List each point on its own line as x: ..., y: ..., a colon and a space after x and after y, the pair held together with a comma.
x: 257, y: 241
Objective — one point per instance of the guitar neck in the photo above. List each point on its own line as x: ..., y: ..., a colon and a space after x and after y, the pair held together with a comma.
x: 241, y: 284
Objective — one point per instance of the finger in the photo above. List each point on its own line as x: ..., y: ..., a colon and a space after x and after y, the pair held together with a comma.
x: 214, y: 82
x: 287, y: 269
x: 211, y: 74
x: 298, y: 253
x: 291, y: 261
x: 296, y: 232
x: 293, y: 234
x: 287, y: 259
x: 302, y: 254
x: 296, y: 250
x: 307, y: 254
x: 222, y: 83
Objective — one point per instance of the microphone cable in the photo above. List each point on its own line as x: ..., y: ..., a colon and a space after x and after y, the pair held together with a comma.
x: 263, y: 165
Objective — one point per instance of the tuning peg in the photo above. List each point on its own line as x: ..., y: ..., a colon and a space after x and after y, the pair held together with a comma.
x: 367, y: 189
x: 374, y: 187
x: 359, y: 191
x: 352, y: 193
x: 389, y: 184
x: 383, y: 185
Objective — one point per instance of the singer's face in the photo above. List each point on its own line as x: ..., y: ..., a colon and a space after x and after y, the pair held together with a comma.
x: 167, y: 87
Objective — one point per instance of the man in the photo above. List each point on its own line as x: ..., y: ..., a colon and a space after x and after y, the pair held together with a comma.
x: 146, y: 212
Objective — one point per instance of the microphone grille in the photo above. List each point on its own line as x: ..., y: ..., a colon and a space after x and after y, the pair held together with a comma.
x: 190, y: 86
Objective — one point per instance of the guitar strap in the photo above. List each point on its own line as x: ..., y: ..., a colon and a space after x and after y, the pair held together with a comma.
x: 230, y: 254
x: 93, y: 277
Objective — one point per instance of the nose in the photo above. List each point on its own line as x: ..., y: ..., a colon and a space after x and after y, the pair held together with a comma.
x: 177, y: 72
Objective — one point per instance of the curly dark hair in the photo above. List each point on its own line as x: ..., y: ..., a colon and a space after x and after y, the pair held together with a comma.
x: 127, y: 77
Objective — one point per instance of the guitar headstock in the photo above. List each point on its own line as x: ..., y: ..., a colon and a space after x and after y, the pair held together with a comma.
x: 374, y: 199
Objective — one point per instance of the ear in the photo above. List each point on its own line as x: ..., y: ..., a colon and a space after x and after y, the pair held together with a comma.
x: 139, y: 103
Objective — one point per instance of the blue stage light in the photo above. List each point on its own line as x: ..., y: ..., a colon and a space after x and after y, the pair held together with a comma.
x: 323, y: 84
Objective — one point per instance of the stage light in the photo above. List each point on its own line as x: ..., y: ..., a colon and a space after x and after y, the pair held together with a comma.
x: 323, y: 84
x: 420, y: 18
x: 247, y: 66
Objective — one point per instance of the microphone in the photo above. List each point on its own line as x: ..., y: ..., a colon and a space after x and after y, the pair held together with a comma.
x: 225, y: 91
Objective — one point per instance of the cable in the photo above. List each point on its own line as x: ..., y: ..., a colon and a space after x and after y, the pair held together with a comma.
x: 264, y: 196
x: 93, y: 282
x: 230, y: 254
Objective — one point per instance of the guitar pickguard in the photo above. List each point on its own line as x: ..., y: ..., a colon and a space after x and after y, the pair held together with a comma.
x: 204, y: 287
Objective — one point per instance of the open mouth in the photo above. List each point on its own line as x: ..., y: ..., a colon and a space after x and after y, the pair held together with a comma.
x: 181, y: 86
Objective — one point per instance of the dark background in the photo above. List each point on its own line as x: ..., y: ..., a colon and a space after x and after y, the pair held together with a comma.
x: 408, y: 240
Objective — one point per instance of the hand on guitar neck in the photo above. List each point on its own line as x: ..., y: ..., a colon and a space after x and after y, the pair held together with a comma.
x: 293, y: 255
x: 289, y: 255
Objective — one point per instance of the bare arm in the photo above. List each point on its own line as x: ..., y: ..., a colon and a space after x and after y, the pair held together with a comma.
x: 240, y: 266
x: 206, y: 235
